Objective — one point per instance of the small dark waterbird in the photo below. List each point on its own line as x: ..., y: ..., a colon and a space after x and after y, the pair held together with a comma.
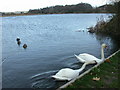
x: 25, y: 46
x: 18, y: 42
x: 18, y: 39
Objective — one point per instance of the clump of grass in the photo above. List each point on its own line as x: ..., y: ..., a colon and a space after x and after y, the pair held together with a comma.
x: 108, y: 72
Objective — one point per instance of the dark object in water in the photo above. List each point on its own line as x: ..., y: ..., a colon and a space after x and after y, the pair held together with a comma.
x: 18, y: 39
x: 91, y: 30
x: 25, y: 46
x: 19, y: 42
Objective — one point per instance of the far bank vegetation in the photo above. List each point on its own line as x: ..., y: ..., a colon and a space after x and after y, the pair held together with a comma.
x: 60, y: 9
x: 110, y: 27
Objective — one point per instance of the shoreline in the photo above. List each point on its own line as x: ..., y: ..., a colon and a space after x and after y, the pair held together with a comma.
x: 52, y: 13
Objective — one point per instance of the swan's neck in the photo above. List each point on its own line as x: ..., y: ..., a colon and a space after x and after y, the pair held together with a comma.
x: 83, y: 66
x: 102, y: 53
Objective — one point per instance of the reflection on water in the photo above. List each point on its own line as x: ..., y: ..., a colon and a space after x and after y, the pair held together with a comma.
x: 40, y: 80
x: 52, y: 41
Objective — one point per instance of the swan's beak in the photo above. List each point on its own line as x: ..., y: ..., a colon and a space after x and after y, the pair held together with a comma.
x: 106, y: 46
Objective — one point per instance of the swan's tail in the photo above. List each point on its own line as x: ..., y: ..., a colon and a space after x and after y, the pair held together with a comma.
x: 79, y: 58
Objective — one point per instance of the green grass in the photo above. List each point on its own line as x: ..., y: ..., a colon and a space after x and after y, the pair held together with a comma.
x: 108, y: 72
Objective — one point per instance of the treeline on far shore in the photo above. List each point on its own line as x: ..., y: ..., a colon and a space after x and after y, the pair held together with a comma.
x: 59, y: 9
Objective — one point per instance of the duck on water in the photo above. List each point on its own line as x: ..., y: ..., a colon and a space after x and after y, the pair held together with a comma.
x: 18, y: 41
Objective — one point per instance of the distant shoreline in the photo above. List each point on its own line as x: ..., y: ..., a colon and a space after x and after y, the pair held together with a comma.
x: 52, y: 13
x: 80, y: 8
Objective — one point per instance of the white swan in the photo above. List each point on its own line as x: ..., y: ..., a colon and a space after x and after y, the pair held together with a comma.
x: 68, y: 74
x: 90, y: 58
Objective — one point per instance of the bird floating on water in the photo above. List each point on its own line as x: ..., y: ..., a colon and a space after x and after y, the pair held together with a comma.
x: 25, y: 46
x: 68, y: 74
x: 18, y: 41
x: 87, y: 58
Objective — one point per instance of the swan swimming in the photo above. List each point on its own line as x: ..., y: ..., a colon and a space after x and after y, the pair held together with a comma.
x: 68, y: 74
x: 83, y: 58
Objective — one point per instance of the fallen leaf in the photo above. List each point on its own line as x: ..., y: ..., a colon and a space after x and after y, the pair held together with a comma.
x: 96, y: 78
x: 107, y: 60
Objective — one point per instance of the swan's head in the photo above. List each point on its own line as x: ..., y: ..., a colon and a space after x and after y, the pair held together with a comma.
x: 104, y: 45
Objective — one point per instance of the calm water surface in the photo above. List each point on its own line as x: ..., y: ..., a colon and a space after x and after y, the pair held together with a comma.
x: 52, y: 42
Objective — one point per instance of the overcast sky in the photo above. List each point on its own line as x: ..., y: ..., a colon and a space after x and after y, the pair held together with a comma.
x: 24, y: 5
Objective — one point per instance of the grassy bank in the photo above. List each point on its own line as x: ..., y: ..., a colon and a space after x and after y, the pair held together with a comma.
x: 107, y: 74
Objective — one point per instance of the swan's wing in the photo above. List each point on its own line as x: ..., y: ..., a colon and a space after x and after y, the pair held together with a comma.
x: 64, y: 72
x: 80, y: 59
x: 87, y: 57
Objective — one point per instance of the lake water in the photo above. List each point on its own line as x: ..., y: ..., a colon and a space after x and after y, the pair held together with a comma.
x: 52, y: 41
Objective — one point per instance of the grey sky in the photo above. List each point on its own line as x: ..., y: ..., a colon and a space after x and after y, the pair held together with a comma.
x: 24, y: 5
